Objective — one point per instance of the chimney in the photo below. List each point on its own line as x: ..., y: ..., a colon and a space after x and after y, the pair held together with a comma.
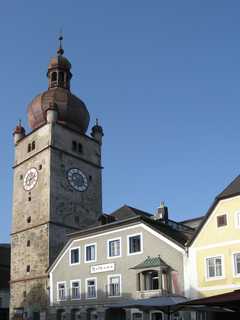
x: 162, y: 213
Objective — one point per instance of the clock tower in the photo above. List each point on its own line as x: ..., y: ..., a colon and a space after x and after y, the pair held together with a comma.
x: 57, y: 185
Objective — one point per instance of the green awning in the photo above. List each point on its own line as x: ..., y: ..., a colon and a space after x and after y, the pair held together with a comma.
x: 151, y: 262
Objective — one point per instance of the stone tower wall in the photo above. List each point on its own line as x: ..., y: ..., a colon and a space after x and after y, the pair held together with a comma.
x: 55, y: 208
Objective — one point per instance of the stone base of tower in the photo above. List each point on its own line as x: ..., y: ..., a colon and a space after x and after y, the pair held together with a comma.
x: 29, y: 299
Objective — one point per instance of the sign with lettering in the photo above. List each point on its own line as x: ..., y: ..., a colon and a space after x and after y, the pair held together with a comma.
x: 103, y: 268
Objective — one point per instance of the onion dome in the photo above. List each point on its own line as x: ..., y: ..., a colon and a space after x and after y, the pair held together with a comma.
x: 72, y: 111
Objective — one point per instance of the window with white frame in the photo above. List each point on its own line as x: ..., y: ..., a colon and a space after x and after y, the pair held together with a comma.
x: 236, y: 259
x: 114, y: 248
x: 61, y: 291
x: 75, y: 289
x: 91, y: 286
x: 214, y: 267
x: 74, y: 256
x: 135, y: 244
x: 90, y: 253
x: 238, y: 219
x: 156, y: 315
x: 114, y: 286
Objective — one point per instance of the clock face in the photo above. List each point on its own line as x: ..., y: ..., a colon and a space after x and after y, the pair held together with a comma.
x: 77, y: 179
x: 30, y: 179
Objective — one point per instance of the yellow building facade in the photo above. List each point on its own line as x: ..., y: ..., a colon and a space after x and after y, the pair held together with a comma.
x: 213, y: 264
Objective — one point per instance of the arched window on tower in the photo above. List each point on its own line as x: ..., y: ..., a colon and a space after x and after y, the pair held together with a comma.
x: 33, y: 145
x: 54, y: 76
x: 29, y: 147
x: 61, y: 77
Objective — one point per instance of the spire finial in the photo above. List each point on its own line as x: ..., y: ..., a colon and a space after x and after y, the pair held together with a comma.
x: 20, y: 123
x: 60, y: 50
x: 97, y: 122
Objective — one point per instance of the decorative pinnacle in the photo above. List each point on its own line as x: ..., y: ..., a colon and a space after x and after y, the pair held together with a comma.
x: 97, y: 122
x: 162, y: 204
x: 60, y: 50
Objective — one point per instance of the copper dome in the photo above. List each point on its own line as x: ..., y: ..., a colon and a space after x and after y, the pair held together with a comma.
x: 59, y: 61
x: 72, y: 112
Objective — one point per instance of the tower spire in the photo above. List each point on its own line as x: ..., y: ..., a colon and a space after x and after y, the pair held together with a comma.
x: 60, y: 50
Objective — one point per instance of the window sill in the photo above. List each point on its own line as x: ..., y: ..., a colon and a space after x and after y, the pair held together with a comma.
x: 214, y: 278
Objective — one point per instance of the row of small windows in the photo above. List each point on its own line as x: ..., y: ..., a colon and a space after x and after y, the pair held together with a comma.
x: 74, y: 292
x: 60, y: 76
x: 31, y: 146
x: 215, y: 266
x: 114, y: 249
x: 77, y: 147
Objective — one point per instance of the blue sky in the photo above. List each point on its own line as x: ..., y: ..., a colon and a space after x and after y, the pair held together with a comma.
x: 163, y: 77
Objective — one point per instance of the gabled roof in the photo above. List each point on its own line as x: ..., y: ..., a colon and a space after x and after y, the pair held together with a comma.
x: 232, y: 190
x: 181, y: 234
x: 151, y: 262
x: 176, y: 237
x: 126, y: 212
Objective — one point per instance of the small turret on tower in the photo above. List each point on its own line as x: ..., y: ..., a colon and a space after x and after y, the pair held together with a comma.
x: 97, y: 132
x: 52, y: 113
x: 59, y: 74
x: 18, y: 133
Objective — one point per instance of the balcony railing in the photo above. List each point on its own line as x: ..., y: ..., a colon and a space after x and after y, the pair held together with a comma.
x: 144, y: 294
